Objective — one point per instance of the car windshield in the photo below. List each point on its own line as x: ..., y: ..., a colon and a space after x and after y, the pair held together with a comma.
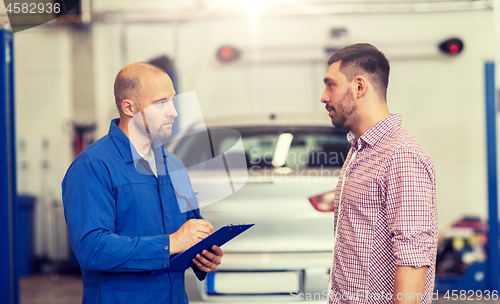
x: 267, y: 147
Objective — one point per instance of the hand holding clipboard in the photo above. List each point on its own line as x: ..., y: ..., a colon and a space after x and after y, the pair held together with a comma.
x: 183, y: 260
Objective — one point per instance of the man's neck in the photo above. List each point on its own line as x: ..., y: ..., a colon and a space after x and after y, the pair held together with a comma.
x: 142, y: 146
x: 140, y: 142
x: 370, y: 118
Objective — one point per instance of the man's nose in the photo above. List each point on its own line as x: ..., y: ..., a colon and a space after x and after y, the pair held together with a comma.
x: 325, y: 98
x: 172, y: 112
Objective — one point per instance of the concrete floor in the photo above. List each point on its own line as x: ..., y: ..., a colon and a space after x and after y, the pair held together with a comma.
x: 67, y: 289
x: 50, y: 289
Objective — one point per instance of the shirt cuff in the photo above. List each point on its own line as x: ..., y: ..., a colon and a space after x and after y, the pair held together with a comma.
x: 408, y: 254
x: 165, y: 252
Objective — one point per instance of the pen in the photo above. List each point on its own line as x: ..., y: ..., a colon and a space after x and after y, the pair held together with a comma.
x: 194, y: 209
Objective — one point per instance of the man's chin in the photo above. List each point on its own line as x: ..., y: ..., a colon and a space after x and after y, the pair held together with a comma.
x: 337, y: 124
x: 334, y: 122
x: 162, y: 135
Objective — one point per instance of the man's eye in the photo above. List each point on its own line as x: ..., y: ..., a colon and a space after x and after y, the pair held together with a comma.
x: 162, y: 102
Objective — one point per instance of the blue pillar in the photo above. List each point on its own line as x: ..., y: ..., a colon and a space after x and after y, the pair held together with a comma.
x: 8, y: 277
x: 493, y: 265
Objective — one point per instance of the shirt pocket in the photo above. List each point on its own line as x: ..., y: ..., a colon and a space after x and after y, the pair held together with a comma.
x: 186, y: 197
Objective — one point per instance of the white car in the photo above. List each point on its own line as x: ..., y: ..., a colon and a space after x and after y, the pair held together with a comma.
x: 291, y: 169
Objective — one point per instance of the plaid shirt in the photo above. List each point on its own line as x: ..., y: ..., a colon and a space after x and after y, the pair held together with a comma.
x: 387, y: 216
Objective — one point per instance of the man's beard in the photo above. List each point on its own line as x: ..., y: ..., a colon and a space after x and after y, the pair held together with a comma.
x: 152, y: 126
x: 345, y: 109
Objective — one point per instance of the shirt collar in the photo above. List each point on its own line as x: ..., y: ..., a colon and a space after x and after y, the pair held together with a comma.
x: 125, y: 147
x: 375, y: 133
x: 158, y: 151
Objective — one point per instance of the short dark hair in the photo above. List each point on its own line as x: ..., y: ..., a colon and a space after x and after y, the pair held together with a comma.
x: 126, y: 88
x: 364, y: 58
x: 128, y: 85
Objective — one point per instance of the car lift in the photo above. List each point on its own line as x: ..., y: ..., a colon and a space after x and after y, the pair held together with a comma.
x: 484, y: 276
x: 8, y: 276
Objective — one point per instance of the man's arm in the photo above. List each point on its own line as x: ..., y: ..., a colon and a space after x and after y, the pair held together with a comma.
x: 409, y: 284
x: 90, y: 211
x: 412, y: 221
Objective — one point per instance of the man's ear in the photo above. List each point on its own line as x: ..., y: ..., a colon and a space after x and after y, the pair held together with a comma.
x: 360, y: 86
x: 129, y: 108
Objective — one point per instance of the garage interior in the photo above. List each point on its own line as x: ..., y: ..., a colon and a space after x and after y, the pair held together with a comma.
x: 250, y: 58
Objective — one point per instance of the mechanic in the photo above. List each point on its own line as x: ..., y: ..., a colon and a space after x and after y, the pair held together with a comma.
x: 385, y: 199
x: 123, y: 197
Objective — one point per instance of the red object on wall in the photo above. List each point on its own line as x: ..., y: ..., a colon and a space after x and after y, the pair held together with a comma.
x: 83, y: 136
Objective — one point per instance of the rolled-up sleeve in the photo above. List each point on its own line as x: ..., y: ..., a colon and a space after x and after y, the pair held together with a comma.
x: 411, y: 215
x: 90, y: 211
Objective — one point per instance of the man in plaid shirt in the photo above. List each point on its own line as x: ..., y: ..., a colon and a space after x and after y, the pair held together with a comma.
x: 385, y: 202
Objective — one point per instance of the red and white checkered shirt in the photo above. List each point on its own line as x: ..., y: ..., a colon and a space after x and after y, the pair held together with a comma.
x: 387, y: 215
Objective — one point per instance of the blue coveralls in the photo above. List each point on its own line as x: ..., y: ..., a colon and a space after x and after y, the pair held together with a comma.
x: 119, y: 220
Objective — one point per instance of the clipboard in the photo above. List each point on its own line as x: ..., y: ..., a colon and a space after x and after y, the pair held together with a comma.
x: 183, y: 260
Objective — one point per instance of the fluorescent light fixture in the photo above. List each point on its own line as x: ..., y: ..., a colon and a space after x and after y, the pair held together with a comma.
x: 282, y: 148
x: 251, y: 6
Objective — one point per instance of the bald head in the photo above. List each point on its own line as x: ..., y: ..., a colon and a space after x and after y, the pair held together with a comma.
x: 130, y: 81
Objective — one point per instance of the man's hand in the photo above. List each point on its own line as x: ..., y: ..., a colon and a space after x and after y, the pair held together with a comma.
x: 208, y: 261
x: 189, y: 234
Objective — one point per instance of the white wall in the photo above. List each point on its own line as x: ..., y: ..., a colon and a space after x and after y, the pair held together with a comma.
x: 107, y: 63
x: 43, y: 111
x: 441, y: 99
x: 42, y: 105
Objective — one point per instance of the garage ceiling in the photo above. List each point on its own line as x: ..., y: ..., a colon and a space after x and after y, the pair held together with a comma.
x: 165, y: 11
x: 187, y: 10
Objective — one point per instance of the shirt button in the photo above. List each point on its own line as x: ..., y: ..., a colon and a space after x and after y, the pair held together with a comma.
x: 166, y: 247
x: 164, y: 265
